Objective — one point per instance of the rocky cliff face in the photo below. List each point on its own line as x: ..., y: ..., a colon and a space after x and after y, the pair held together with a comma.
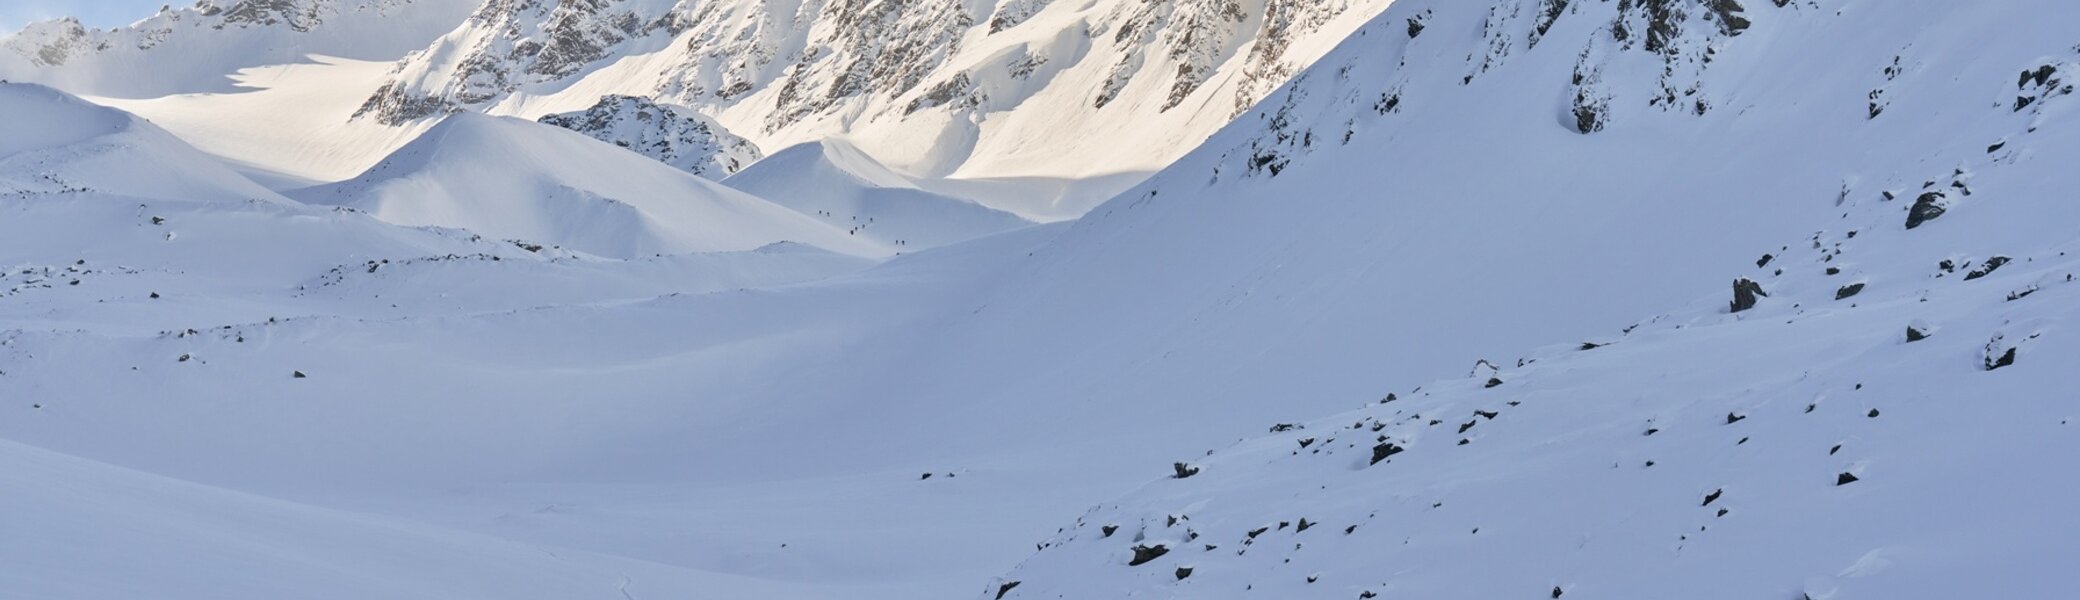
x: 52, y: 43
x: 672, y: 135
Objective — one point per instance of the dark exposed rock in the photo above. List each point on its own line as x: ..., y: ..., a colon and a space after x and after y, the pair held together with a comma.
x: 1845, y: 478
x: 1746, y: 292
x: 669, y: 134
x: 2005, y: 359
x: 1848, y: 291
x: 1991, y: 265
x: 1183, y: 572
x: 1181, y: 470
x: 1108, y: 530
x: 1549, y: 12
x: 1143, y: 554
x: 1728, y: 14
x: 1915, y: 334
x: 1006, y: 588
x: 1492, y: 382
x: 1384, y: 450
x: 1926, y: 208
x: 1713, y: 497
x: 1589, y: 112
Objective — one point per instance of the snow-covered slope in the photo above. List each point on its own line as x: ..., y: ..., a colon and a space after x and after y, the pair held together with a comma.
x: 56, y: 142
x: 671, y: 135
x: 1884, y: 423
x: 979, y: 88
x: 103, y: 532
x: 1459, y: 181
x: 837, y: 183
x: 287, y: 126
x: 519, y: 180
x: 193, y: 49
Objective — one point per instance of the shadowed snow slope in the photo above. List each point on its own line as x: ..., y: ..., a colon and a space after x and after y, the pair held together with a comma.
x: 163, y: 538
x: 837, y: 183
x: 1500, y: 182
x: 521, y: 180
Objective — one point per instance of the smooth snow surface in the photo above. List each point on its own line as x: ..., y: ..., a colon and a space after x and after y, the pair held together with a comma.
x: 526, y: 181
x: 1495, y: 299
x: 837, y: 183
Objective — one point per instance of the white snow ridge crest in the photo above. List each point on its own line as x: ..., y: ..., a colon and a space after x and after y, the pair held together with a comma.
x: 1021, y: 299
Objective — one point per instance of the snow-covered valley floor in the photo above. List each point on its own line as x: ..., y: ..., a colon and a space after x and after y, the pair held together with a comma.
x: 1618, y: 299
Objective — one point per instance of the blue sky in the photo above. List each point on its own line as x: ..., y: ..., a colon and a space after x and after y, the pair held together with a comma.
x: 96, y: 13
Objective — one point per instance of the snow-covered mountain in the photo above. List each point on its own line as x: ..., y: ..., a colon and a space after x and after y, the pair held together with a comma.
x: 194, y: 49
x: 535, y: 183
x: 671, y: 135
x: 1632, y: 298
x: 979, y: 88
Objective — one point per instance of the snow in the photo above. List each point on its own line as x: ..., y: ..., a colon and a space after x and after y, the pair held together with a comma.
x: 66, y: 143
x: 288, y: 126
x: 931, y: 89
x: 520, y: 180
x: 839, y: 184
x: 396, y: 400
x: 193, y: 49
x: 148, y: 535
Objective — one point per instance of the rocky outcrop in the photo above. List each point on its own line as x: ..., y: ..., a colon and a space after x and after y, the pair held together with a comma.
x: 672, y: 135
